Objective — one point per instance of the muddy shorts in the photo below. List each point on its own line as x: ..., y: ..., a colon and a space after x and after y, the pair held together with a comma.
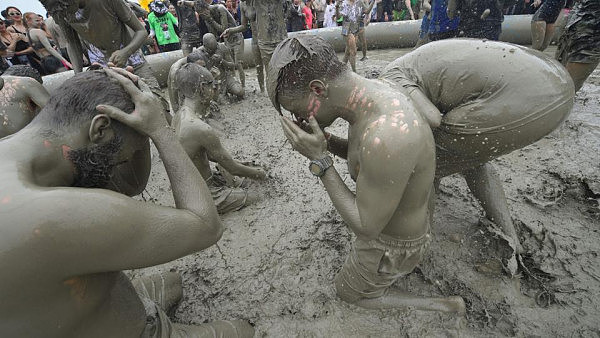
x: 580, y: 40
x: 374, y: 265
x: 549, y: 11
x: 226, y: 198
x: 158, y: 324
x: 349, y: 27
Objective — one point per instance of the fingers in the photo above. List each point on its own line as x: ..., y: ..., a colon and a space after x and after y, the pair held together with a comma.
x: 125, y: 82
x: 287, y: 126
x: 114, y: 113
x: 314, y: 125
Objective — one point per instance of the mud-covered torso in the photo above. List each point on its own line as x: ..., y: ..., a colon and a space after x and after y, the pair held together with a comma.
x: 37, y: 299
x: 103, y: 24
x: 189, y: 129
x: 270, y: 20
x: 16, y: 108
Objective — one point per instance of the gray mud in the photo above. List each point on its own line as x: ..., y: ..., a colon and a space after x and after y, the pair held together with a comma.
x: 277, y: 259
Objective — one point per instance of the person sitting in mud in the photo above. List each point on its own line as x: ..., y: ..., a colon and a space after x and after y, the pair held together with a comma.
x: 201, y: 142
x: 390, y: 211
x: 63, y: 263
x: 213, y: 55
x: 394, y: 124
x: 218, y: 19
x: 579, y: 44
x: 22, y: 96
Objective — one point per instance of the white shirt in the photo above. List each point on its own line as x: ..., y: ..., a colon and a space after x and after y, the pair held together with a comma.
x: 329, y: 20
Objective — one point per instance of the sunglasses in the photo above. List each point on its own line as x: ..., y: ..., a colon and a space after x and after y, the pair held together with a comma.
x: 14, y: 14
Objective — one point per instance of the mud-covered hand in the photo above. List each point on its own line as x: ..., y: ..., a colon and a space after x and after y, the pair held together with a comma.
x: 313, y: 146
x: 537, y: 3
x: 119, y: 58
x: 147, y: 117
x: 225, y: 34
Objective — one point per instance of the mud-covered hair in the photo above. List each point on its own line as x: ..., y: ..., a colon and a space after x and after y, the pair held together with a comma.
x: 75, y: 101
x: 190, y: 78
x: 299, y: 60
x: 24, y: 71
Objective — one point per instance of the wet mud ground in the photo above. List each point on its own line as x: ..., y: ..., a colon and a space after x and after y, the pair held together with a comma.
x: 277, y: 259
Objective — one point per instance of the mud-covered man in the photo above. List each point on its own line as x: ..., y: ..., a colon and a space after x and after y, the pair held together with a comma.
x: 69, y: 226
x: 392, y: 157
x: 217, y: 58
x: 218, y: 19
x: 22, y: 96
x: 202, y: 143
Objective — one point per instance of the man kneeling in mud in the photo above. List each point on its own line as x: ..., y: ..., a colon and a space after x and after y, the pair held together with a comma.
x: 67, y: 236
x: 195, y: 88
x: 477, y: 109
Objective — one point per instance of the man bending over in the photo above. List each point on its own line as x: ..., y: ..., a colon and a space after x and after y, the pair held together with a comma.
x: 201, y: 142
x: 22, y: 96
x: 390, y: 146
x: 66, y: 236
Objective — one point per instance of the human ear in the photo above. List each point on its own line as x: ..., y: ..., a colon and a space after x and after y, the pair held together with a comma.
x: 100, y: 129
x: 318, y: 87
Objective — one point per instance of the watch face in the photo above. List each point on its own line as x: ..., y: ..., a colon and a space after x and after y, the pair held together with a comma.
x: 315, y: 169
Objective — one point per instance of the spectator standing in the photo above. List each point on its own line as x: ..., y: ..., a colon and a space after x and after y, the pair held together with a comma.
x: 59, y: 37
x: 24, y: 54
x: 51, y: 60
x: 353, y: 12
x: 480, y: 19
x: 10, y: 41
x: 440, y: 25
x: 162, y: 27
x: 308, y: 15
x: 320, y: 6
x: 296, y: 17
x: 329, y: 15
x: 173, y: 11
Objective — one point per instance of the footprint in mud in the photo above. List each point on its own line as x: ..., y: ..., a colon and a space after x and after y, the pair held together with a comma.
x: 548, y: 194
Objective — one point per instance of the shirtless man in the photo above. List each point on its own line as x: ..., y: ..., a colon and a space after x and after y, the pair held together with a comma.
x: 66, y: 237
x: 248, y: 21
x: 112, y: 28
x: 218, y: 19
x: 390, y: 211
x: 215, y: 57
x: 201, y: 142
x: 391, y: 155
x: 22, y: 96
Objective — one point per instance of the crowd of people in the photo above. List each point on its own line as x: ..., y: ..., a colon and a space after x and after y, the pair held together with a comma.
x: 406, y: 130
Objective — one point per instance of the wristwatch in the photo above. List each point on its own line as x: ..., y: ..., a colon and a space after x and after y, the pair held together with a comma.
x: 318, y: 167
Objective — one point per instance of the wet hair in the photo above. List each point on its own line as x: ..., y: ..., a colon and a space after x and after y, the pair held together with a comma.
x: 299, y: 60
x: 24, y: 71
x: 75, y: 101
x: 190, y: 78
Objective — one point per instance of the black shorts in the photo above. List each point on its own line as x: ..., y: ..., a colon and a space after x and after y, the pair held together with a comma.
x: 169, y: 47
x: 51, y: 64
x: 549, y: 11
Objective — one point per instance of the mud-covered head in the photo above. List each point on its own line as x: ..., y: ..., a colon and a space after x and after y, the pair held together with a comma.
x: 195, y: 82
x: 210, y: 43
x: 296, y: 62
x: 24, y: 71
x: 113, y: 155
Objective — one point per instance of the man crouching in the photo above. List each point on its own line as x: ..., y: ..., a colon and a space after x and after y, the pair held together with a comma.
x: 391, y: 156
x: 66, y: 236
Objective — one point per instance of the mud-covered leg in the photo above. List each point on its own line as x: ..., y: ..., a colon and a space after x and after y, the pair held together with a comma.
x: 363, y: 44
x: 579, y: 72
x: 164, y: 289
x: 350, y: 52
x: 485, y: 185
x: 548, y: 36
x: 260, y: 73
x: 396, y: 299
x: 538, y: 31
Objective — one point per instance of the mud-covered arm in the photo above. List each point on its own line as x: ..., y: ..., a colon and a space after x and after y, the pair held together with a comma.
x: 217, y: 153
x: 127, y: 17
x: 219, y: 26
x: 238, y: 29
x: 452, y: 8
x: 37, y: 93
x: 227, y: 62
x: 410, y: 10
